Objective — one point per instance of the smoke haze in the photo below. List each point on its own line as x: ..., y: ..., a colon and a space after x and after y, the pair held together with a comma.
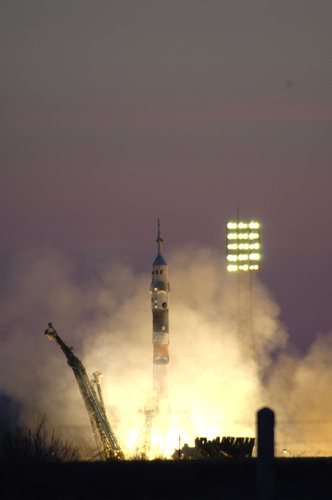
x: 104, y: 312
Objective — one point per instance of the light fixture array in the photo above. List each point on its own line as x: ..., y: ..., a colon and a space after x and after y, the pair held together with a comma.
x: 243, y: 246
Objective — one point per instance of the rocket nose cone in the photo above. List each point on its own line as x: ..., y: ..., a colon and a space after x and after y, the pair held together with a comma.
x: 159, y: 261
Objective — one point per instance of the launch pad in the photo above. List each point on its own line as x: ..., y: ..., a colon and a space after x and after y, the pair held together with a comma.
x: 161, y: 425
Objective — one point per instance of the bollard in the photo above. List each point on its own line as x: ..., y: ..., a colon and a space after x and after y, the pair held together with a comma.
x: 265, y: 459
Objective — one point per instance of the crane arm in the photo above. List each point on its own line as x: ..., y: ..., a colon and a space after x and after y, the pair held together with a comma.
x: 106, y: 440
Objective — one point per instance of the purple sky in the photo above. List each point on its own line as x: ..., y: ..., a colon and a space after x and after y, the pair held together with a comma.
x: 114, y: 113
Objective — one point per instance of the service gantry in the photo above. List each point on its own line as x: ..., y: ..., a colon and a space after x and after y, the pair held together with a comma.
x: 143, y: 442
x: 107, y: 442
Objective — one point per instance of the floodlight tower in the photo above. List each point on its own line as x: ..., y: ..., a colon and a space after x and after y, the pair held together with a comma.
x: 243, y: 257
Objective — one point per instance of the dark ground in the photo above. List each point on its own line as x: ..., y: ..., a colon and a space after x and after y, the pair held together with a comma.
x: 296, y: 478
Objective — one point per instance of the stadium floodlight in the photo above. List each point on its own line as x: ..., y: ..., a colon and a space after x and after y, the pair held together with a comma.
x: 243, y: 246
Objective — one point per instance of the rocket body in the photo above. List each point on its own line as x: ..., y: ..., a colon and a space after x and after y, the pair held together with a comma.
x: 159, y: 291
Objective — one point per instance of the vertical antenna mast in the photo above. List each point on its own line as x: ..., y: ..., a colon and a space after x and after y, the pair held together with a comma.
x: 159, y: 239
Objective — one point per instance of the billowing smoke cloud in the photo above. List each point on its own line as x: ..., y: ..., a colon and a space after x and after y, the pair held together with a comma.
x: 298, y: 388
x: 217, y: 379
x: 9, y: 412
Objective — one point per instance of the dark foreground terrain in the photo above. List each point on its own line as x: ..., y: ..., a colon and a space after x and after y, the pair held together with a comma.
x: 299, y: 478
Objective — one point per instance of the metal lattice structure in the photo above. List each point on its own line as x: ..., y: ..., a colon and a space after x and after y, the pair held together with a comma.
x: 107, y: 442
x: 143, y: 443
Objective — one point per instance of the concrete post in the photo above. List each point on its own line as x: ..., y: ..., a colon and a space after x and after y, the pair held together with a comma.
x: 265, y: 461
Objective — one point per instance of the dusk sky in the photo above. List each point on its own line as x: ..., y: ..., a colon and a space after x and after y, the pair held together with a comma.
x: 115, y: 113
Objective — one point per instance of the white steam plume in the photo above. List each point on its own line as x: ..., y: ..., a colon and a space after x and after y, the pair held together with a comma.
x: 107, y: 318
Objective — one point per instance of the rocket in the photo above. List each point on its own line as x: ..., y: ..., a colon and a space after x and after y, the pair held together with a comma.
x: 160, y: 336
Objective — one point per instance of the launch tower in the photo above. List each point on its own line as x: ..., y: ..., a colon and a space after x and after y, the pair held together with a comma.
x: 107, y: 443
x: 160, y: 337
